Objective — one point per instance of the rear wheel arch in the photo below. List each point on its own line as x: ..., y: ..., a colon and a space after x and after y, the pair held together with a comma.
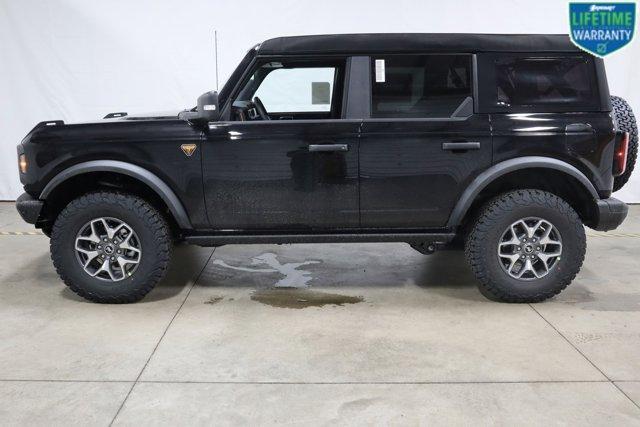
x: 93, y: 175
x: 541, y: 173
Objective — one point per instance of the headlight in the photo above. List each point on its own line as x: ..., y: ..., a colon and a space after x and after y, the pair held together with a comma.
x: 22, y: 163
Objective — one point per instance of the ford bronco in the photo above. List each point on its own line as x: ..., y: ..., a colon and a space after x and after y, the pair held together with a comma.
x: 504, y: 145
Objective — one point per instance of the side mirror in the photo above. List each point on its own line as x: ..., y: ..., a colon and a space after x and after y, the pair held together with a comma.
x: 208, y: 106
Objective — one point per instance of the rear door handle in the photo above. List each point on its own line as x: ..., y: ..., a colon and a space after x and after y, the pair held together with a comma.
x: 328, y: 147
x: 578, y: 128
x: 455, y: 146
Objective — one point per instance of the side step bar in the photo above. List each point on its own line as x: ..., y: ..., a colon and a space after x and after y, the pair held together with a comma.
x: 229, y: 239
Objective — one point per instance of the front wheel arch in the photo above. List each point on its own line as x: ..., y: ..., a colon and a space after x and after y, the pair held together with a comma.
x: 114, y: 168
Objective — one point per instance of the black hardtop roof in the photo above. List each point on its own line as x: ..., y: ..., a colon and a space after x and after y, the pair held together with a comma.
x: 416, y: 42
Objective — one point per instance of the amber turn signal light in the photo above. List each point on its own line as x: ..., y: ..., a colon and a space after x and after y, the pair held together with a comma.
x: 22, y: 162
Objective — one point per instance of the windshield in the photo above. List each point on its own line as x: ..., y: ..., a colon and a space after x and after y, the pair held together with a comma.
x: 235, y: 76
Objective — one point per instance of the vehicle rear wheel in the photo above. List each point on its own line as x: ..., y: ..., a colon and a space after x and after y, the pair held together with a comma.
x: 110, y: 247
x: 525, y: 246
x: 626, y: 122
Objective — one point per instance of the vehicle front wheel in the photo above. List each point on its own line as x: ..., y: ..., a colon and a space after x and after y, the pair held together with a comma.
x: 110, y: 247
x: 525, y: 246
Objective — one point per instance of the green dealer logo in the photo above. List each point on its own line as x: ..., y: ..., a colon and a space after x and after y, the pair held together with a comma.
x: 602, y: 28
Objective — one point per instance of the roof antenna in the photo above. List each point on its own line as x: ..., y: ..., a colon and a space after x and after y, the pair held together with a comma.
x: 215, y: 42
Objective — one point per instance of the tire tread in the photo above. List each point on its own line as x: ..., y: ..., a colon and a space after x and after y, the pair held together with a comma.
x: 490, y: 217
x: 154, y: 220
x: 626, y: 122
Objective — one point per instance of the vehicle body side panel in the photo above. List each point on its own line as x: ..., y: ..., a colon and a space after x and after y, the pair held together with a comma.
x: 395, y: 175
x: 262, y: 175
x: 550, y: 135
x: 407, y: 179
x: 154, y: 145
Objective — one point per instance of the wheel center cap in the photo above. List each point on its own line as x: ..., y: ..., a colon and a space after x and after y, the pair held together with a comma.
x: 528, y: 249
x: 108, y: 249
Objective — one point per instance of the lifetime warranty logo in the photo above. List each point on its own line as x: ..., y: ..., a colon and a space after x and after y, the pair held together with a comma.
x: 602, y: 28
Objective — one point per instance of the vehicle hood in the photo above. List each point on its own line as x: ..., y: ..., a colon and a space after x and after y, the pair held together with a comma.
x: 115, y: 126
x: 155, y: 115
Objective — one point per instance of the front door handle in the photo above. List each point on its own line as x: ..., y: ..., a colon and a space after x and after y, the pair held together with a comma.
x: 328, y: 147
x: 459, y: 146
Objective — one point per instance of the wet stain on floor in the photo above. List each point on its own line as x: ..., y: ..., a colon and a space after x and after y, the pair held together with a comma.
x: 583, y: 298
x: 213, y: 300
x: 301, y: 298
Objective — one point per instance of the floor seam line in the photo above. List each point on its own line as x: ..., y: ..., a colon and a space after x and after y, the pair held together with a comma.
x: 31, y: 380
x: 625, y: 394
x: 584, y: 356
x: 374, y: 382
x: 161, y: 337
x: 317, y: 382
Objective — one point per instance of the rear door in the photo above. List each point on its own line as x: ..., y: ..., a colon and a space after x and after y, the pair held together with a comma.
x: 422, y: 143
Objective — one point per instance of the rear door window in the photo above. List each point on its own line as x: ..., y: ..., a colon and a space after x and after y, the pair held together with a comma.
x: 419, y: 86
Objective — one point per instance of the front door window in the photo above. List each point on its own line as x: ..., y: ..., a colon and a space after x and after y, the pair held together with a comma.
x: 290, y: 90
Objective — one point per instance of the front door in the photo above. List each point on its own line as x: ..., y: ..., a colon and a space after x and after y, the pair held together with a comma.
x: 286, y: 160
x: 423, y: 143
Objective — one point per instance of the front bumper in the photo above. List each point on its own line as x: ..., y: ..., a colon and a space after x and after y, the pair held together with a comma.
x: 610, y: 214
x: 29, y: 208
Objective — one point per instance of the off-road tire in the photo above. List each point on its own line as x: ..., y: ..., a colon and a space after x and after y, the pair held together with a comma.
x: 626, y: 122
x: 494, y: 218
x: 149, y: 225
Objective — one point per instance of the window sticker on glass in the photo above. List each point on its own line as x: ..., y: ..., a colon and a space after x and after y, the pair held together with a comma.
x: 320, y: 93
x: 380, y: 71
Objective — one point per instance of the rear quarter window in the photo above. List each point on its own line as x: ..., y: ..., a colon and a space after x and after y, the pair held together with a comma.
x: 538, y: 83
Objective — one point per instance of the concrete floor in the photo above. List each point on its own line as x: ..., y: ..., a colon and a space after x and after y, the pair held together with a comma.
x: 381, y: 335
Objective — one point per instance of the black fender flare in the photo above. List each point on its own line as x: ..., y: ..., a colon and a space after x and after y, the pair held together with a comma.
x: 143, y: 175
x: 502, y: 168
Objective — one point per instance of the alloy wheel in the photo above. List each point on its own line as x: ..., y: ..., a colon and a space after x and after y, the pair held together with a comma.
x: 108, y: 249
x: 530, y: 248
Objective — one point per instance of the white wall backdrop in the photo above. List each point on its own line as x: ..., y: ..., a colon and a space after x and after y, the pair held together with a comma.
x: 80, y: 59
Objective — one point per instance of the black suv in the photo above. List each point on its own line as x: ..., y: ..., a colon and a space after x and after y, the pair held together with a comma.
x: 503, y: 144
